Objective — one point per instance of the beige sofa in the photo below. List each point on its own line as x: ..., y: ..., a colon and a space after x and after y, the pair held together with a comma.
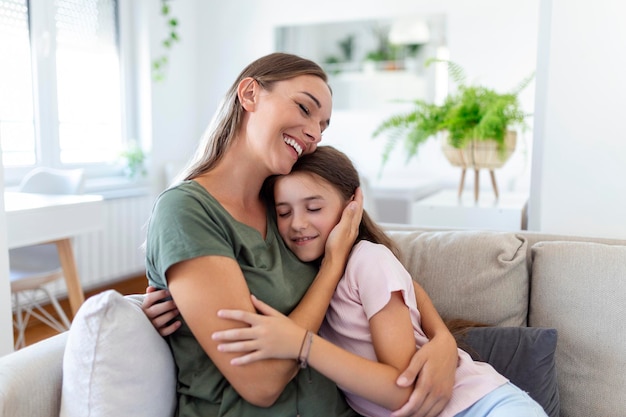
x: 574, y: 285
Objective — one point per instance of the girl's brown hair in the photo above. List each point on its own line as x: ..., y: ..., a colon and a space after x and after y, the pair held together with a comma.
x: 219, y: 135
x: 336, y: 168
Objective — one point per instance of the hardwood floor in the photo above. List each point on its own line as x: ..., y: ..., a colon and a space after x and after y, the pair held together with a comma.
x: 37, y: 331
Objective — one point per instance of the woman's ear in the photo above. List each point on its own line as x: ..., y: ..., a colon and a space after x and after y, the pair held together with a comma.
x: 247, y: 92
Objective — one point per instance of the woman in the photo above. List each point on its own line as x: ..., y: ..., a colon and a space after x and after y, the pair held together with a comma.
x: 373, y: 324
x: 212, y: 242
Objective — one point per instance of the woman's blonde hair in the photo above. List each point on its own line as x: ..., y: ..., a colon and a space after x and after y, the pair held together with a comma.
x: 336, y: 168
x: 219, y: 135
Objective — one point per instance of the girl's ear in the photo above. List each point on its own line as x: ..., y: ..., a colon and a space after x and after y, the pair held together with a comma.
x: 247, y: 92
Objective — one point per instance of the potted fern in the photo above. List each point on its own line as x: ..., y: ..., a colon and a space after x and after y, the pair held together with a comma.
x: 477, y: 124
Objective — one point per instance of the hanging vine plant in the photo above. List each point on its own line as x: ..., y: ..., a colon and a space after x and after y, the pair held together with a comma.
x: 160, y: 63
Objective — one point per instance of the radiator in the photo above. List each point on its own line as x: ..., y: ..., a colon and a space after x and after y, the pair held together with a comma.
x: 115, y: 251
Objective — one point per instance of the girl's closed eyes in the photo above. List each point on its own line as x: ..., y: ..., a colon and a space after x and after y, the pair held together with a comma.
x: 307, y: 209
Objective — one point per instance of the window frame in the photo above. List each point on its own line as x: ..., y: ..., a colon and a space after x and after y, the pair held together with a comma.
x: 44, y: 96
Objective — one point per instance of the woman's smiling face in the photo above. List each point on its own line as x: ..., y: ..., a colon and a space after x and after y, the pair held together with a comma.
x: 307, y: 208
x: 287, y: 120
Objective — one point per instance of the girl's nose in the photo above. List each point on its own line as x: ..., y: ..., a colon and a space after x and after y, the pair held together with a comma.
x: 298, y: 222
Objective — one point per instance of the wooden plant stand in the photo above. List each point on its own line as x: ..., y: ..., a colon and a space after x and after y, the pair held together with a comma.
x: 480, y: 155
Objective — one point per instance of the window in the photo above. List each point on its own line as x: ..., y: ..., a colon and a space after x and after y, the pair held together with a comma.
x: 60, y: 87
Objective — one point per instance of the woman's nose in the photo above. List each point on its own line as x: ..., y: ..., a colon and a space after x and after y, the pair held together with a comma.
x: 314, y: 132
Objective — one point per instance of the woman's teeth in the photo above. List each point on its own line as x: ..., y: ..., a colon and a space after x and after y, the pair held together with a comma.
x: 294, y: 145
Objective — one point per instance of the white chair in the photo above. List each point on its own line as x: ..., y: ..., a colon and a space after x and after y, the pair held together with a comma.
x: 33, y: 267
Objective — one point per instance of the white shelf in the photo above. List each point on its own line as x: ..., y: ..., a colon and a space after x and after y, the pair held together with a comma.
x: 445, y: 209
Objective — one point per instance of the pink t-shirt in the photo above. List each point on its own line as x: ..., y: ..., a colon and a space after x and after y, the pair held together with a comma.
x: 371, y: 275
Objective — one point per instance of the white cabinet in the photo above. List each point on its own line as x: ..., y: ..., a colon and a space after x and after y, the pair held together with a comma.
x: 395, y: 198
x: 445, y: 209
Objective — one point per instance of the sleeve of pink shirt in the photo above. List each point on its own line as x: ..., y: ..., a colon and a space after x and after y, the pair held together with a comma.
x: 376, y: 273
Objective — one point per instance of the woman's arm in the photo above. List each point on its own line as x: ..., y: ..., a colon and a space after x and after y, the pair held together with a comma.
x: 199, y: 299
x: 311, y: 310
x: 432, y: 368
x: 274, y: 335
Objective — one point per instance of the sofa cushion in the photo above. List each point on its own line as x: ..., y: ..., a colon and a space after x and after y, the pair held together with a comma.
x: 475, y: 275
x: 579, y: 288
x: 116, y: 363
x: 525, y: 355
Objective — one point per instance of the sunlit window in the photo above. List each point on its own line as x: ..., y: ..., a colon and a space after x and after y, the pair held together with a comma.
x: 17, y: 129
x: 60, y: 95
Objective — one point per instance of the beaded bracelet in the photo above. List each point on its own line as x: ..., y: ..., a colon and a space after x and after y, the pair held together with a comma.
x: 305, y: 349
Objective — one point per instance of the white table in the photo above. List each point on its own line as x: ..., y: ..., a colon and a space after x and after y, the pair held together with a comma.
x: 47, y: 218
x: 446, y: 209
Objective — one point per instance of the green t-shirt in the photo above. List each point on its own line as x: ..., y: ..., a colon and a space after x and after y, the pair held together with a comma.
x: 188, y: 222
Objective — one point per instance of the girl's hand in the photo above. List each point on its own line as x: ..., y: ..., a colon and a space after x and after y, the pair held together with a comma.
x: 270, y: 335
x: 159, y: 307
x: 432, y: 369
x: 342, y: 237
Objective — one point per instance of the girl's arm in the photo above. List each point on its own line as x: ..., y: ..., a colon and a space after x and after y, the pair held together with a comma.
x: 432, y: 368
x: 273, y: 335
x: 312, y: 308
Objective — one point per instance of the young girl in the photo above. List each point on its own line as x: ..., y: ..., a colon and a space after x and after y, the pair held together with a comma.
x: 373, y: 324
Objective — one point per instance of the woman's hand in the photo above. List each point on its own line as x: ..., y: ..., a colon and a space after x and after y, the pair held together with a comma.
x: 434, y: 367
x: 342, y: 237
x: 270, y: 335
x: 161, y: 310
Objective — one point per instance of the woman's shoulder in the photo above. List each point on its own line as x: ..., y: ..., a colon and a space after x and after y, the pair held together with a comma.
x: 184, y: 188
x: 184, y: 194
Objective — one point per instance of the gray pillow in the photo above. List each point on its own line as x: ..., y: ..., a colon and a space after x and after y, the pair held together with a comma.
x: 525, y: 355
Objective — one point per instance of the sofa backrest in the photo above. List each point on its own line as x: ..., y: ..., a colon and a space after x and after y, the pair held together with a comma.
x: 574, y: 284
x: 479, y: 276
x: 579, y: 288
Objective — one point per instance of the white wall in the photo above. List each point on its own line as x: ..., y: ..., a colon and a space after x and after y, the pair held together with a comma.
x: 6, y: 322
x: 579, y: 171
x: 577, y: 153
x: 494, y: 41
x: 171, y: 122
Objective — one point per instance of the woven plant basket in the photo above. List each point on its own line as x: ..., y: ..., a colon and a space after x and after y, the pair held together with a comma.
x: 481, y: 154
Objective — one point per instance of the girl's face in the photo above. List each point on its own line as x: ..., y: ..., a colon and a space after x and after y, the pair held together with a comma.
x: 307, y: 208
x: 287, y: 121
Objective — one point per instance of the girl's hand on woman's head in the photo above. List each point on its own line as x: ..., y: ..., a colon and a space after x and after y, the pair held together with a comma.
x: 270, y: 335
x: 159, y: 307
x: 343, y: 236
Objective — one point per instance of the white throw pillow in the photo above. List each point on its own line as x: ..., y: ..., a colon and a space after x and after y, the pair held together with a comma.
x: 116, y: 363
